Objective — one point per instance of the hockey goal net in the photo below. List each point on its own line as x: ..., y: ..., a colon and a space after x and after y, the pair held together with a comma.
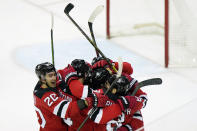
x: 174, y: 21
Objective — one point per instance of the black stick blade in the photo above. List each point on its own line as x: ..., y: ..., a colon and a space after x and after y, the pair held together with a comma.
x: 68, y: 8
x: 153, y: 81
x: 158, y: 80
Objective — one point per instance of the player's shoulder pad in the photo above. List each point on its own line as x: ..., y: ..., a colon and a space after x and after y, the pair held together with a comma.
x: 39, y: 92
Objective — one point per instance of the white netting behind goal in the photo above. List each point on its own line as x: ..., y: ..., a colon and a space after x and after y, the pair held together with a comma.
x: 146, y: 17
x: 133, y: 17
x: 182, y: 31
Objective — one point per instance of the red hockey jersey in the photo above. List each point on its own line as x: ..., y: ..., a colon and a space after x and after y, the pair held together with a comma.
x: 51, y: 108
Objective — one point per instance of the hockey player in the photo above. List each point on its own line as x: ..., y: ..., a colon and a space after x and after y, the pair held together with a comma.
x: 132, y: 117
x: 49, y: 105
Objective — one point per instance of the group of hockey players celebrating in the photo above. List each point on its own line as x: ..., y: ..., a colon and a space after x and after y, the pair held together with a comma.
x: 64, y: 98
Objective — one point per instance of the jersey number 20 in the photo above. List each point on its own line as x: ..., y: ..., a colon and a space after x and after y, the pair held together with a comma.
x: 50, y: 99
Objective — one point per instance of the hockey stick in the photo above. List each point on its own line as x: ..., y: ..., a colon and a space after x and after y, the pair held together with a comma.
x: 67, y: 10
x: 153, y: 81
x: 95, y: 108
x: 91, y: 19
x: 120, y: 66
x: 119, y: 73
x: 52, y: 48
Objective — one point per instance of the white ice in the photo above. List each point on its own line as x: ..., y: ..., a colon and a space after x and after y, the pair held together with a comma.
x: 25, y: 42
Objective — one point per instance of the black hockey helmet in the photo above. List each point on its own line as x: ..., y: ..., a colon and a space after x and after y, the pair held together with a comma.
x: 43, y: 68
x: 121, y: 85
x: 81, y: 67
x: 99, y: 77
x: 96, y: 59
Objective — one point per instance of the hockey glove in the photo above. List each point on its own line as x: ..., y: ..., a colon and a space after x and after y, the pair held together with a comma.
x: 127, y: 68
x: 132, y: 84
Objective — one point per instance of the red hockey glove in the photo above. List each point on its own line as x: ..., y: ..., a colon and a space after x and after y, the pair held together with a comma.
x: 97, y: 100
x: 100, y: 62
x: 126, y: 127
x: 124, y: 102
x: 68, y: 74
x: 130, y: 102
x: 132, y: 85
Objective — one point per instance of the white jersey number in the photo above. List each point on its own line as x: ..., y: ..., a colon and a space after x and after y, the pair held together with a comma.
x: 50, y: 99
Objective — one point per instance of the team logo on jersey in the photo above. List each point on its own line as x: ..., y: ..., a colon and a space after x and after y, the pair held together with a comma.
x: 108, y: 103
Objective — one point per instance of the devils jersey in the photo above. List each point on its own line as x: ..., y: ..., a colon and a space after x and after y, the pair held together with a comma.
x: 51, y: 108
x: 132, y: 117
x: 96, y: 122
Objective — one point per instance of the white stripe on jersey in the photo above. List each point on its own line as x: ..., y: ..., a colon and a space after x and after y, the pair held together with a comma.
x: 129, y: 127
x: 137, y: 115
x: 85, y: 92
x: 41, y: 116
x: 58, y: 75
x: 57, y: 107
x: 64, y: 109
x: 99, y: 116
x: 69, y: 75
x: 132, y: 82
x: 89, y: 111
